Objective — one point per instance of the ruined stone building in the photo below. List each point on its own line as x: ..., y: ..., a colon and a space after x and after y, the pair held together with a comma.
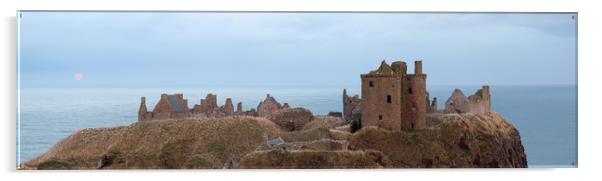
x: 479, y: 102
x: 208, y: 107
x: 268, y: 106
x: 393, y: 99
x: 175, y: 106
x: 349, y: 105
x: 169, y: 106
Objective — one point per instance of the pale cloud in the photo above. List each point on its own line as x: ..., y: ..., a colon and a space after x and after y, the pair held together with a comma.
x: 174, y: 49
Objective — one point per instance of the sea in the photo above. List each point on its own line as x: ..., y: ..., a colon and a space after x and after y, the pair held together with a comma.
x: 545, y: 115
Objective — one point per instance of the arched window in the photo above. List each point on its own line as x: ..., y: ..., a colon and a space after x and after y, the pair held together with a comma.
x: 371, y: 84
x: 388, y: 98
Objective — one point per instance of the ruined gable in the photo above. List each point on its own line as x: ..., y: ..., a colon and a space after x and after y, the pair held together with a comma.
x: 479, y: 102
x: 169, y: 106
x: 171, y: 103
x: 457, y: 103
x: 268, y: 106
x: 383, y: 69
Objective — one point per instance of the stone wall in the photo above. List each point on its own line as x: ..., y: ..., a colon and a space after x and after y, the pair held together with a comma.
x: 168, y: 107
x: 393, y: 99
x: 349, y: 103
x: 268, y: 106
x: 414, y: 113
x: 381, y: 98
x: 479, y: 102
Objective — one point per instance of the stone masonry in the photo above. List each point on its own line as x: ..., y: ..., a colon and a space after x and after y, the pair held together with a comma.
x: 393, y: 99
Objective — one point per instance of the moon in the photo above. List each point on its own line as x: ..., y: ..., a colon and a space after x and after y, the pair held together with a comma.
x: 78, y: 77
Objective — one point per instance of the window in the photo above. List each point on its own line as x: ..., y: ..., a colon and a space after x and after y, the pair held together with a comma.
x: 371, y: 84
x: 380, y: 117
x: 412, y: 125
x: 410, y: 90
x: 388, y: 98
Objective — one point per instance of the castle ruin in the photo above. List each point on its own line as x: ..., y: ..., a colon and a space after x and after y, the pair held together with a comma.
x: 175, y: 106
x: 479, y: 102
x: 169, y: 106
x: 393, y: 99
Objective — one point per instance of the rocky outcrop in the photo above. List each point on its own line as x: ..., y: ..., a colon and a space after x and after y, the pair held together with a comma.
x: 268, y: 106
x: 311, y: 159
x: 291, y: 119
x: 452, y: 140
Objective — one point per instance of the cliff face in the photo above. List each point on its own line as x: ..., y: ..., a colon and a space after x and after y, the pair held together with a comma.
x: 451, y: 140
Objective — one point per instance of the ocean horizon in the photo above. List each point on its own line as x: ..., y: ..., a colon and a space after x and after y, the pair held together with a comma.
x: 545, y: 115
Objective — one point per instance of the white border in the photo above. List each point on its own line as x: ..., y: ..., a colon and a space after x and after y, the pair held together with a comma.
x: 588, y: 67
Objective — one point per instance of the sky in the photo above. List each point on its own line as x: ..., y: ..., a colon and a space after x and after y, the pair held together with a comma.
x: 195, y: 49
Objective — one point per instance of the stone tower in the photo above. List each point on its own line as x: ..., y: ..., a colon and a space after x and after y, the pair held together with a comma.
x: 393, y: 99
x: 142, y: 111
x: 414, y: 113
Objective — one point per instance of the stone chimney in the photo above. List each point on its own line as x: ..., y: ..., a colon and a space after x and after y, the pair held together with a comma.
x: 418, y: 67
x: 239, y: 107
x: 487, y: 97
x: 228, y: 108
x: 143, y: 110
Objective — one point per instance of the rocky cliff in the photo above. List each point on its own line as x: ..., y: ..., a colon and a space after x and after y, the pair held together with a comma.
x: 451, y: 140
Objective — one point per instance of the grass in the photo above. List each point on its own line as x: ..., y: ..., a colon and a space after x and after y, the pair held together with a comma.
x: 160, y: 144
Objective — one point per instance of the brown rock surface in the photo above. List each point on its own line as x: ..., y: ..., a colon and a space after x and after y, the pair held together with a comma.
x: 310, y: 159
x: 455, y: 140
x: 450, y: 140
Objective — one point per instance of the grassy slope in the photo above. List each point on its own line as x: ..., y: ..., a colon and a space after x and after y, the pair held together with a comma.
x: 188, y: 143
